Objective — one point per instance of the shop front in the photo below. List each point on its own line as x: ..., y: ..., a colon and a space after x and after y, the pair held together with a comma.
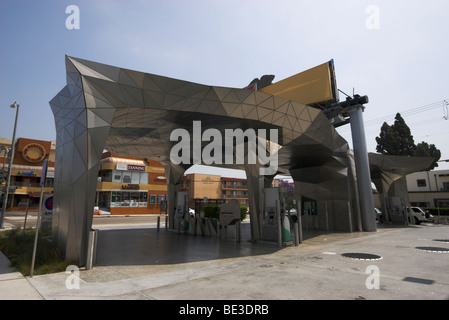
x: 130, y: 186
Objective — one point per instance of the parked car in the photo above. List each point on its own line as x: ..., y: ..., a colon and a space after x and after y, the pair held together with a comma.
x: 379, y: 215
x: 419, y: 215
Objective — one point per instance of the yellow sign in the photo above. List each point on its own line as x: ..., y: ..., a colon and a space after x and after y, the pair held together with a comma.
x: 311, y: 86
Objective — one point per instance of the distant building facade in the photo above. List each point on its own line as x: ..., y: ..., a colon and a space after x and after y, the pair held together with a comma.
x: 429, y: 188
x: 26, y: 170
x: 125, y: 185
x: 130, y: 185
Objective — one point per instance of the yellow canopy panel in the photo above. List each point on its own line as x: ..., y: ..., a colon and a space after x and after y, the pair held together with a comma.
x: 308, y: 87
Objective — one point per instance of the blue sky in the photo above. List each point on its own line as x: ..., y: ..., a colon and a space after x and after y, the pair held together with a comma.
x: 402, y: 65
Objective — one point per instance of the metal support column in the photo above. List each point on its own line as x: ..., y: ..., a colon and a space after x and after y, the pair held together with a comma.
x: 362, y: 168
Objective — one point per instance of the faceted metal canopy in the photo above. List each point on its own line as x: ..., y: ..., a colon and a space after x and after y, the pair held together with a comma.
x: 132, y: 113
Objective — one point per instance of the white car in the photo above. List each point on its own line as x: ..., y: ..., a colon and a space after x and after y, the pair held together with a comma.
x: 419, y: 215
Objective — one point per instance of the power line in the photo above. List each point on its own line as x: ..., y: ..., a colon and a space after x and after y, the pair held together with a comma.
x: 440, y: 104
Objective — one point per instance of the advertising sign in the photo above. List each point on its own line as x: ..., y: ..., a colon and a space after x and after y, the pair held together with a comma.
x: 315, y: 85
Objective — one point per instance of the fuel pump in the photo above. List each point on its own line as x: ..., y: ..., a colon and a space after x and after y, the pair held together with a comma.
x: 229, y: 216
x: 275, y: 223
x: 182, y: 216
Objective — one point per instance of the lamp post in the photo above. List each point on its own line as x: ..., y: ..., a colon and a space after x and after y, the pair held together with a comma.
x: 11, y: 158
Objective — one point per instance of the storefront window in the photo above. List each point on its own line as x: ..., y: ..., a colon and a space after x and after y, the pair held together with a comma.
x: 126, y: 177
x: 116, y: 176
x: 134, y: 201
x: 144, y: 177
x: 135, y: 177
x: 106, y: 176
x: 120, y: 176
x: 143, y: 199
x: 125, y: 199
x: 116, y: 198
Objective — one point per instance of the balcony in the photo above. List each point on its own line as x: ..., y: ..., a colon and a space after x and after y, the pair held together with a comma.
x: 227, y: 187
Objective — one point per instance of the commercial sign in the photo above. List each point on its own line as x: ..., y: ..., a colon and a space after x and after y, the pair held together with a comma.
x: 129, y: 167
x: 27, y: 173
x: 132, y: 167
x: 33, y: 152
x: 130, y: 186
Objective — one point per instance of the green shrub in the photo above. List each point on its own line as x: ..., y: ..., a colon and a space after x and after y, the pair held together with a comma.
x: 243, y: 212
x: 18, y: 247
x: 213, y: 211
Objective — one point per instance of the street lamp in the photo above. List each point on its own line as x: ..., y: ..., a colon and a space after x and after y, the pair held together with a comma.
x: 11, y: 158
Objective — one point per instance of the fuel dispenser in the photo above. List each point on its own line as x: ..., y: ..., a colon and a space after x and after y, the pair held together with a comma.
x: 182, y: 217
x: 275, y: 223
x: 229, y: 216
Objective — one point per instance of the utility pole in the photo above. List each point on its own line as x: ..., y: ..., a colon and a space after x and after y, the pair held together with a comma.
x: 10, y: 161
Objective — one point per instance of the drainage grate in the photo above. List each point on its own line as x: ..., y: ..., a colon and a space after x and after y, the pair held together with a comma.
x: 418, y: 280
x: 442, y: 240
x: 361, y: 256
x: 433, y: 249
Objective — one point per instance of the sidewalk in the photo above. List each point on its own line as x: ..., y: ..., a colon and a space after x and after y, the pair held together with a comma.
x: 13, y: 285
x: 142, y: 263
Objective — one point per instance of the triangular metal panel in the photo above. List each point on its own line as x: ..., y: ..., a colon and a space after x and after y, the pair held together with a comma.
x: 150, y: 84
x: 230, y: 107
x: 279, y: 121
x: 268, y: 103
x: 237, y: 113
x: 137, y: 77
x: 175, y: 86
x: 86, y: 71
x: 221, y: 92
x: 124, y: 78
x: 134, y: 96
x: 170, y: 100
x: 94, y: 121
x: 263, y: 112
x: 232, y: 97
x: 94, y: 102
x: 160, y: 81
x: 251, y: 98
x: 107, y: 114
x: 109, y: 72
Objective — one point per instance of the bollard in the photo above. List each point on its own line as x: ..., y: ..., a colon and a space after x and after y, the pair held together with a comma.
x: 91, y: 248
x: 237, y: 231
x: 279, y: 226
x: 296, y: 227
x: 158, y: 223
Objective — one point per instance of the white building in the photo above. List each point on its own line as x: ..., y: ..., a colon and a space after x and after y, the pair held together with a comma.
x: 429, y: 188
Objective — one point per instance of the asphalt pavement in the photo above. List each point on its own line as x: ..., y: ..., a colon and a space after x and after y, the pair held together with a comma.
x: 141, y: 263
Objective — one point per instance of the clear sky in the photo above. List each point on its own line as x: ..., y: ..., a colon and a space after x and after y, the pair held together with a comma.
x: 396, y: 52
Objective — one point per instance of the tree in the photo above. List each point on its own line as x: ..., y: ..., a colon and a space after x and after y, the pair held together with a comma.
x: 396, y: 139
x: 289, y: 194
x: 423, y: 149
